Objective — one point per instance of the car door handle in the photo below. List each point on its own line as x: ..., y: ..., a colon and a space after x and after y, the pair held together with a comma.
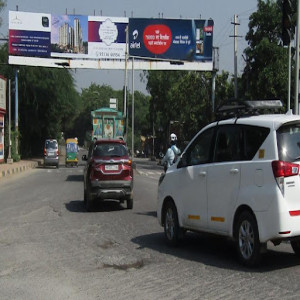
x: 202, y: 173
x: 234, y: 171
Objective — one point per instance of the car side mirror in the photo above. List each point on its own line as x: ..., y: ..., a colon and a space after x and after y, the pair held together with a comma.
x: 84, y: 157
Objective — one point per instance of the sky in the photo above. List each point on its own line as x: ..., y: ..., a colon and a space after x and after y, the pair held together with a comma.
x: 221, y: 11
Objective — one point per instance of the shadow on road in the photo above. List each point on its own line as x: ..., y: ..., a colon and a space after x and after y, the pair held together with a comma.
x: 78, y: 206
x: 215, y: 251
x: 148, y: 213
x: 77, y: 178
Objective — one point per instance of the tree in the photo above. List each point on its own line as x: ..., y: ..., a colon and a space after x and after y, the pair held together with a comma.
x: 2, y: 5
x: 48, y: 103
x: 185, y: 97
x: 266, y: 71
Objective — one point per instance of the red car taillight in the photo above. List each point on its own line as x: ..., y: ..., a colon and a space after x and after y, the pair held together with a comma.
x: 128, y: 162
x: 282, y: 169
x: 45, y: 151
x: 57, y: 152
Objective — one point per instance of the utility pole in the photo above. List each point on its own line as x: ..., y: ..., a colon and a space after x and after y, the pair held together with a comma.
x: 235, y: 36
x: 296, y: 108
x: 125, y: 115
x: 132, y: 115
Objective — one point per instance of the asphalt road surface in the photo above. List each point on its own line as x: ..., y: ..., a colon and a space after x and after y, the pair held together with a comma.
x: 51, y: 248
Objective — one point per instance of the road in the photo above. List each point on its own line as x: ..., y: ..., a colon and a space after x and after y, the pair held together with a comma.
x: 51, y: 248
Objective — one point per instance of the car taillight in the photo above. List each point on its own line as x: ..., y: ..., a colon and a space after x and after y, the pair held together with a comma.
x: 282, y: 169
x: 57, y: 152
x: 45, y: 151
x: 128, y: 162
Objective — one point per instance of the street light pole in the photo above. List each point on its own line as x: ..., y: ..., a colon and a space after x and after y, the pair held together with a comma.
x: 9, y: 159
x: 16, y: 112
x: 132, y: 116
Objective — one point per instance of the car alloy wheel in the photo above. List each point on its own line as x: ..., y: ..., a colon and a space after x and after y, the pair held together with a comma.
x: 171, y: 225
x: 247, y: 241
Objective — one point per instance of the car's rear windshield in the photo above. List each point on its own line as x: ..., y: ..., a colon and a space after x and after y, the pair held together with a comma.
x: 51, y: 144
x: 288, y: 141
x: 112, y: 150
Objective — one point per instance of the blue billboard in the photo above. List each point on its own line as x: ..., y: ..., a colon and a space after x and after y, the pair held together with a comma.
x: 171, y: 39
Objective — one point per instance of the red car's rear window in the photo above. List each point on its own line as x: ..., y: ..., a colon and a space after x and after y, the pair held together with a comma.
x: 111, y: 150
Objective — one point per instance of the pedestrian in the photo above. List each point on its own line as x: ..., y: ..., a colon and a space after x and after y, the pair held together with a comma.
x: 172, y: 153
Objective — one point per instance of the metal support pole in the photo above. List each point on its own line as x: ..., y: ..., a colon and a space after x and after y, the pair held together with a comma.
x: 213, y: 91
x: 125, y: 75
x: 296, y: 110
x: 132, y: 116
x: 289, y: 80
x: 235, y: 58
x: 125, y: 115
x: 9, y: 159
x: 16, y: 112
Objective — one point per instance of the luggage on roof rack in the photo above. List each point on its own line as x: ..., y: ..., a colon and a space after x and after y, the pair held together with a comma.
x: 241, y: 108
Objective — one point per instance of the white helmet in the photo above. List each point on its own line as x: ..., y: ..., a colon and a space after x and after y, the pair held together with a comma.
x: 173, y: 137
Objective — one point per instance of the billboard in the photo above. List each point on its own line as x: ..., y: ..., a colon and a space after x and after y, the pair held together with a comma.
x: 98, y: 42
x: 171, y: 39
x: 66, y: 36
x: 29, y: 34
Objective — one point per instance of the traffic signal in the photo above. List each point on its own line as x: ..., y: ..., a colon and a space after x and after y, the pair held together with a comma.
x: 286, y: 22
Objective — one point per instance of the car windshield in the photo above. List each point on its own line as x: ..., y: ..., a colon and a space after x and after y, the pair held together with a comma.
x: 116, y: 150
x: 51, y: 144
x: 288, y: 141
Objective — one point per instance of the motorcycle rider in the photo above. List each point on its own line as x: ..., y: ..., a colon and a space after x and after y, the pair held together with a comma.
x: 172, y: 153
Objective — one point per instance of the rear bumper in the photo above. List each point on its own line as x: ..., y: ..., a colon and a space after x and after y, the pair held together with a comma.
x: 281, y: 225
x: 71, y: 161
x: 117, y: 189
x: 53, y: 161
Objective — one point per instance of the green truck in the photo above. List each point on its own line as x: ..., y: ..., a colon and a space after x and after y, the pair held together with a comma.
x: 107, y: 123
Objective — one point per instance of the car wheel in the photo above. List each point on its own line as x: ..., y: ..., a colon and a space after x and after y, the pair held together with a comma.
x: 296, y: 247
x: 171, y: 225
x: 129, y: 203
x: 247, y: 240
x: 57, y: 166
x: 84, y: 196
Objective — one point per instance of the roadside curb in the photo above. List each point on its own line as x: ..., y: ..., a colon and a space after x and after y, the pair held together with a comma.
x: 16, y: 168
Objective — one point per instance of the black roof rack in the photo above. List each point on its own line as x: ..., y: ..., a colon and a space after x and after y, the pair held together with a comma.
x: 242, y: 108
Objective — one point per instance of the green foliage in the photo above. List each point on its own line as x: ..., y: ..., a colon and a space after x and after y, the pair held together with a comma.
x: 141, y: 118
x: 184, y: 97
x: 98, y: 96
x: 92, y: 98
x: 2, y: 5
x: 48, y: 103
x: 266, y: 71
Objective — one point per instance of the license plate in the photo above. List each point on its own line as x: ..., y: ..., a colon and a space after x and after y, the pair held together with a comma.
x: 111, y: 167
x: 51, y: 153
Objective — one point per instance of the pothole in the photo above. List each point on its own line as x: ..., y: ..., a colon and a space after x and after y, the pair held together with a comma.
x: 123, y: 263
x: 107, y: 245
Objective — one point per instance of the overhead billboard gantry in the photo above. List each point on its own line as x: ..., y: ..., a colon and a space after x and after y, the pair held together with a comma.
x: 97, y: 42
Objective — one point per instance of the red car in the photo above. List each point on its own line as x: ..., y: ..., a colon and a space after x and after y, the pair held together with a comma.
x: 108, y: 173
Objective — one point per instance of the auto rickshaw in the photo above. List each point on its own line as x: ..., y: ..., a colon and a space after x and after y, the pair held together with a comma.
x: 72, y: 152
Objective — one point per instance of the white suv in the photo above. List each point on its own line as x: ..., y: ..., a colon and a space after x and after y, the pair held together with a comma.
x: 238, y: 177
